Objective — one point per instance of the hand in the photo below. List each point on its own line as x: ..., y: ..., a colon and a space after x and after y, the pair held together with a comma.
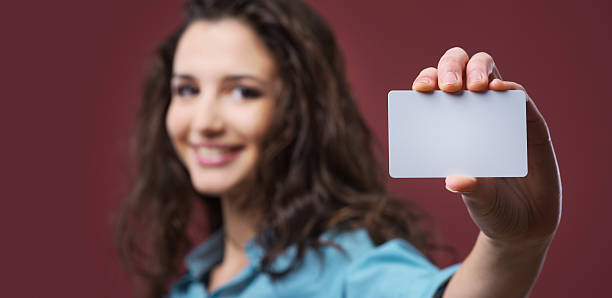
x: 509, y: 211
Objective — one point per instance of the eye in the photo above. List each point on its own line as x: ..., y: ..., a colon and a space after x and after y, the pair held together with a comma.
x: 185, y: 91
x: 241, y: 93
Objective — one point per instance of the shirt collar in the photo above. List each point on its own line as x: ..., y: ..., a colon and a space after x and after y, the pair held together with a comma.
x: 202, y: 258
x: 209, y: 253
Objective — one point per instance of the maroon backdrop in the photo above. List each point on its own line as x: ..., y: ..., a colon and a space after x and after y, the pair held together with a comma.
x: 71, y: 77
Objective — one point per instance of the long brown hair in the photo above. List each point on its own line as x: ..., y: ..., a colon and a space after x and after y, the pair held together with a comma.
x: 317, y: 169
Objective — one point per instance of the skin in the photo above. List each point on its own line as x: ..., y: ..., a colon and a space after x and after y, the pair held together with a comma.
x: 219, y: 67
x: 517, y: 217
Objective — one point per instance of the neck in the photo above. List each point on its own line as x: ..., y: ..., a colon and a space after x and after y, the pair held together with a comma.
x: 239, y: 227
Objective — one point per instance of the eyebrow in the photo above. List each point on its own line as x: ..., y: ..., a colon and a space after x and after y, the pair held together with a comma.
x: 183, y: 76
x: 230, y: 78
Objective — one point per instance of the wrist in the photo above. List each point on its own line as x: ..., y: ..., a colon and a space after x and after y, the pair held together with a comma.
x: 502, y: 268
x: 514, y: 247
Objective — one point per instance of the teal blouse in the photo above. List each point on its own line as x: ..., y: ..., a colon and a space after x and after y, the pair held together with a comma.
x: 393, y: 269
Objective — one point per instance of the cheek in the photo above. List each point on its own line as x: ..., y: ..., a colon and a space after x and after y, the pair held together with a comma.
x: 176, y: 123
x: 252, y: 121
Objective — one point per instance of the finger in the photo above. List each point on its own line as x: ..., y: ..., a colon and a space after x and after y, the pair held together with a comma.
x: 499, y: 85
x: 460, y: 184
x: 478, y: 70
x: 426, y: 81
x: 495, y: 74
x: 476, y: 193
x: 450, y: 69
x: 537, y: 130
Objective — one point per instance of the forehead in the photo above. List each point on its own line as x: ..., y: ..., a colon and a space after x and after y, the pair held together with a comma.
x: 226, y: 46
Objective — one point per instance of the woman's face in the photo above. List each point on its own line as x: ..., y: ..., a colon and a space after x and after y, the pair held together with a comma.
x: 224, y: 87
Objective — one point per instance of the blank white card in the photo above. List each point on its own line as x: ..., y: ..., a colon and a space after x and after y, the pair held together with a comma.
x: 439, y: 134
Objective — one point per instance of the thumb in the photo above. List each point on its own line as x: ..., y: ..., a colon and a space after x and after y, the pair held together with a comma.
x: 477, y: 193
x: 461, y: 184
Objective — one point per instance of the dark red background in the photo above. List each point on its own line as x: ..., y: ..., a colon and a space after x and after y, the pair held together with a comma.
x: 71, y: 73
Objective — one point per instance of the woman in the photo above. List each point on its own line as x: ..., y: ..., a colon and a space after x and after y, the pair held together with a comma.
x: 247, y: 111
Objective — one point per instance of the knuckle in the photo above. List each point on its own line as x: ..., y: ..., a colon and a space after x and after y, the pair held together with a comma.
x: 449, y: 63
x: 483, y: 56
x: 429, y: 71
x: 460, y: 53
x: 456, y: 50
x: 454, y: 58
x: 482, y: 60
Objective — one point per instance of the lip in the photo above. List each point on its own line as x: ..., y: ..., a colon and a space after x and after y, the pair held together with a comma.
x: 231, y: 153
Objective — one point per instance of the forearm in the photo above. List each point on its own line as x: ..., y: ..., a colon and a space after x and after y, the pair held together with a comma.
x: 493, y: 270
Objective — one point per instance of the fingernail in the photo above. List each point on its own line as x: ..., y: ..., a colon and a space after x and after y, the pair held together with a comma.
x: 466, y: 192
x: 450, y: 78
x: 451, y: 190
x: 425, y: 81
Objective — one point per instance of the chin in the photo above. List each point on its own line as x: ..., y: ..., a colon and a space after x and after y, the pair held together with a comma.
x: 214, y: 185
x: 218, y: 181
x: 211, y: 189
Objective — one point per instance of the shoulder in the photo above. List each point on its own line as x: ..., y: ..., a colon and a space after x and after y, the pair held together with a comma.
x: 350, y: 266
x: 394, y: 268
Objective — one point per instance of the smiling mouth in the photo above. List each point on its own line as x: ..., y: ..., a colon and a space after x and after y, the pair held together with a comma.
x: 216, y: 156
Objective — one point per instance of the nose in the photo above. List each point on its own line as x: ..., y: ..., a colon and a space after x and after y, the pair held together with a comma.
x: 207, y: 120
